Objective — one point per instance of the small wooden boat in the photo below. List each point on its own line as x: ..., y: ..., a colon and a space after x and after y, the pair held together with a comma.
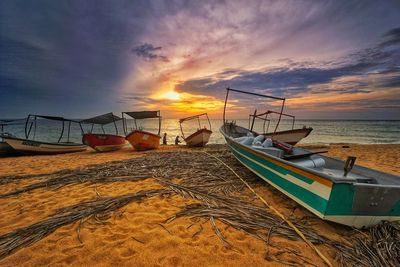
x: 291, y: 137
x: 138, y: 138
x: 103, y: 142
x: 201, y: 136
x: 25, y: 146
x: 331, y: 189
x: 32, y: 146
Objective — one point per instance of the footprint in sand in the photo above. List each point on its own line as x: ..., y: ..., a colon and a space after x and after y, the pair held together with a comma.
x: 127, y: 253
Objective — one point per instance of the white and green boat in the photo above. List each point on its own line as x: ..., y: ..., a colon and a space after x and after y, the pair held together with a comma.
x: 331, y: 189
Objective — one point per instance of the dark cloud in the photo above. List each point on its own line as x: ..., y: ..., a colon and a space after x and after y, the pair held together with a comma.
x: 299, y: 77
x: 392, y: 37
x: 149, y: 52
x: 71, y: 53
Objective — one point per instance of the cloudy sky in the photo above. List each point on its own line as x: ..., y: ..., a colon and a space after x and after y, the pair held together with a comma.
x: 329, y: 59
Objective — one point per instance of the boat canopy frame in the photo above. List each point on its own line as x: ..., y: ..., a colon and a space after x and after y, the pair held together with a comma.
x: 54, y: 118
x: 255, y: 113
x: 102, y: 120
x: 140, y: 115
x: 265, y: 119
x: 181, y: 121
x: 4, y: 123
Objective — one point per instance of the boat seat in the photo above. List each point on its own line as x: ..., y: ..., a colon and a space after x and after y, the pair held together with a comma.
x: 248, y: 141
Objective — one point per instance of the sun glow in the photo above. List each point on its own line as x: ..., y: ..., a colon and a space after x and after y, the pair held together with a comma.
x: 172, y: 95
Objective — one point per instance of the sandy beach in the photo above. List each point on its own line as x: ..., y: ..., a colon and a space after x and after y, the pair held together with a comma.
x: 138, y: 233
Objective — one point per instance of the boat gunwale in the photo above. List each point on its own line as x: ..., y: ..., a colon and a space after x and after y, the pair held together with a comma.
x: 141, y: 131
x: 308, y: 129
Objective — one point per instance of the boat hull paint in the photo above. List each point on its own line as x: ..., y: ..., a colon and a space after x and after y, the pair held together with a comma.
x: 199, y: 138
x: 25, y: 146
x: 328, y: 200
x: 142, y: 140
x: 104, y: 142
x: 291, y: 137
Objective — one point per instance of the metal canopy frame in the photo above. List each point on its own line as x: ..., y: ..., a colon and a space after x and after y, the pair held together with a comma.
x: 265, y: 119
x: 254, y: 94
x: 34, y: 125
x: 4, y: 123
x: 181, y: 121
x: 155, y: 114
x: 102, y: 120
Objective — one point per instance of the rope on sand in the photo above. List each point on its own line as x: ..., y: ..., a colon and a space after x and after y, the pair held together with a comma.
x: 320, y: 254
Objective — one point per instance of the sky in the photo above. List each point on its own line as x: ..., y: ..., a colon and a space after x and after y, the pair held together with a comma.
x: 329, y: 59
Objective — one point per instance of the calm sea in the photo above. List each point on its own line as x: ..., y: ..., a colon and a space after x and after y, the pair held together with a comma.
x: 325, y: 131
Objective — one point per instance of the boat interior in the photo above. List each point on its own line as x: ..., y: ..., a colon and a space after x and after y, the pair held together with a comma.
x: 331, y: 168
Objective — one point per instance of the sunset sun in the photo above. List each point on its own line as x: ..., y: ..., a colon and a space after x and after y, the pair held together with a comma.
x: 172, y: 95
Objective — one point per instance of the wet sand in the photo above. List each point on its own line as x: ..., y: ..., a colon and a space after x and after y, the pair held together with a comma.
x: 133, y: 236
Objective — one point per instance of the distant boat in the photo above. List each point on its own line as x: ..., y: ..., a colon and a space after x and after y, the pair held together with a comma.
x: 332, y: 189
x: 103, y: 142
x: 291, y: 137
x: 29, y: 145
x: 138, y: 138
x: 201, y: 136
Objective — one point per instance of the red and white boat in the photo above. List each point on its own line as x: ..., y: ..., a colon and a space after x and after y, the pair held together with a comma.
x: 291, y: 137
x: 102, y: 142
x: 201, y: 136
x: 29, y: 145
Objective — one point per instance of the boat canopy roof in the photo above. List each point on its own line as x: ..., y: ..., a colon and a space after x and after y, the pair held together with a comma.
x: 143, y: 114
x: 102, y: 119
x: 54, y: 118
x: 192, y: 117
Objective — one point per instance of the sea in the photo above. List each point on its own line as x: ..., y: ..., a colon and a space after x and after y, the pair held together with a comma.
x: 324, y: 131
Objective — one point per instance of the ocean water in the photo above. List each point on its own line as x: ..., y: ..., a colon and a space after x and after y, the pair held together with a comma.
x: 324, y: 131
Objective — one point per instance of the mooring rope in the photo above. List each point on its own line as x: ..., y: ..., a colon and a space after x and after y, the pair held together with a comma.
x: 297, y: 230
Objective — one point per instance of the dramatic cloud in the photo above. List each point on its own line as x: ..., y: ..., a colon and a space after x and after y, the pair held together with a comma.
x: 77, y: 58
x: 147, y: 51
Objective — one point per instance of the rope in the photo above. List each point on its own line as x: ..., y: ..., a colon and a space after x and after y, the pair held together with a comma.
x: 322, y: 256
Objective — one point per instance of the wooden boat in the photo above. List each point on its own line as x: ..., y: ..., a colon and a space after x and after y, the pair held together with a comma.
x: 291, y: 137
x: 201, y: 136
x: 333, y: 190
x: 103, y: 142
x: 32, y: 146
x: 138, y: 138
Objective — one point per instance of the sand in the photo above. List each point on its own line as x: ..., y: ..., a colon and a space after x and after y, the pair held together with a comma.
x: 133, y: 236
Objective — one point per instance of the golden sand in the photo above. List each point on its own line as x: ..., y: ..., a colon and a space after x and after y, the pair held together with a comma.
x: 133, y: 236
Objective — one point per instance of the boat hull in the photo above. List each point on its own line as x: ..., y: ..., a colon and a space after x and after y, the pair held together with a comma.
x: 291, y: 137
x: 6, y: 149
x: 199, y: 138
x: 25, y: 146
x: 142, y: 140
x: 104, y: 142
x: 333, y: 201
